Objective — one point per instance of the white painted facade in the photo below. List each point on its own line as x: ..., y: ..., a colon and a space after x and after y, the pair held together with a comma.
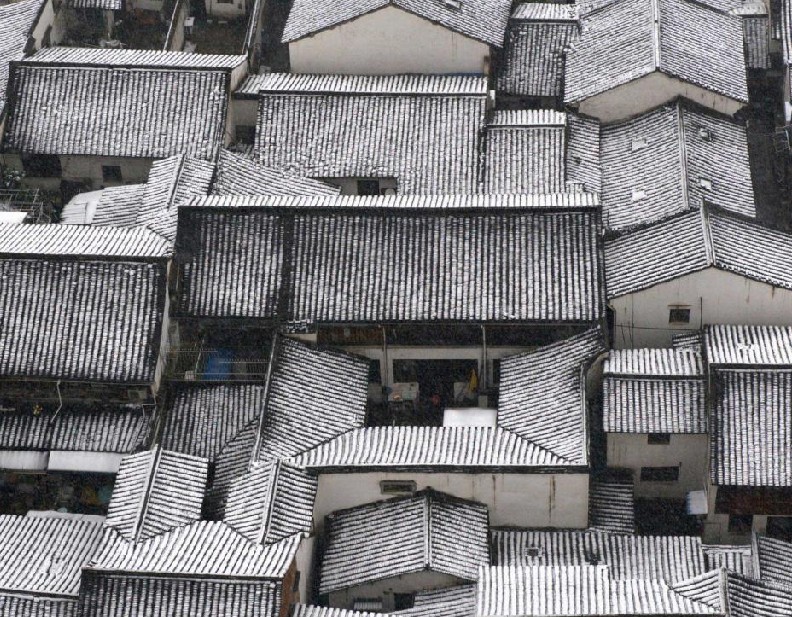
x: 689, y: 452
x: 89, y: 169
x: 646, y: 93
x: 713, y: 297
x: 385, y: 42
x: 385, y: 589
x: 226, y: 10
x: 513, y: 499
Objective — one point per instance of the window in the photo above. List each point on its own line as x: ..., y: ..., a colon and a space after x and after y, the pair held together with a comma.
x: 740, y: 523
x: 42, y: 165
x: 397, y: 487
x: 533, y: 551
x: 659, y: 474
x: 659, y: 439
x: 496, y: 371
x: 111, y: 173
x: 245, y: 134
x: 403, y: 601
x: 368, y: 187
x: 678, y: 314
x: 375, y: 374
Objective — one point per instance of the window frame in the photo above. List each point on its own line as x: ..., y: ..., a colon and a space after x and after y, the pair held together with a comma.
x: 679, y: 314
x: 109, y: 173
x: 671, y: 471
x: 658, y: 439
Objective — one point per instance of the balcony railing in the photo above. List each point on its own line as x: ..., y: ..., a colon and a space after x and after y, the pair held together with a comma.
x: 28, y: 201
x: 202, y: 364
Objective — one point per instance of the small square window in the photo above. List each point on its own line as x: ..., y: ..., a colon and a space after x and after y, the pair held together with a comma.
x: 368, y: 187
x: 740, y: 523
x: 245, y: 134
x: 659, y: 439
x: 111, y: 173
x: 659, y: 474
x: 678, y: 314
x: 397, y: 487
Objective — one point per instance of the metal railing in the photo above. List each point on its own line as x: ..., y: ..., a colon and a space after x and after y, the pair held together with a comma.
x: 28, y: 201
x: 206, y: 364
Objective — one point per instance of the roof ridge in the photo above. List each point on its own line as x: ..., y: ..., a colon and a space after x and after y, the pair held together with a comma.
x: 145, y: 497
x: 656, y: 33
x: 706, y: 229
x: 683, y: 159
x: 266, y: 516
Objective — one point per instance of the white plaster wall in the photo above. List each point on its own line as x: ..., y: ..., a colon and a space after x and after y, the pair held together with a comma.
x: 645, y: 93
x: 93, y: 462
x: 226, y: 10
x: 714, y: 296
x: 48, y: 17
x: 689, y: 452
x: 304, y: 563
x: 89, y: 168
x: 407, y: 583
x: 244, y: 111
x: 388, y: 41
x: 522, y: 500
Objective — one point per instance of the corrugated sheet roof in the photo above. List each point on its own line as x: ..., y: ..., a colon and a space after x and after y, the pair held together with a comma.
x: 44, y: 555
x: 526, y: 152
x: 407, y: 534
x: 611, y: 503
x: 663, y: 558
x: 685, y: 149
x: 16, y: 21
x: 155, y: 492
x: 271, y: 502
x: 694, y: 241
x: 123, y: 112
x: 751, y: 428
x: 775, y: 560
x: 543, y: 396
x: 392, y: 266
x: 654, y: 391
x: 736, y: 345
x: 537, y: 39
x: 428, y: 447
x: 134, y: 57
x: 483, y: 20
x: 204, y: 418
x: 628, y: 39
x: 85, y: 320
x: 414, y: 131
x: 238, y: 174
x: 119, y: 429
x: 78, y: 240
x: 206, y: 548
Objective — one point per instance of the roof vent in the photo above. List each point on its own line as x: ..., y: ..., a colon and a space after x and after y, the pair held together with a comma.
x: 638, y: 195
x: 705, y: 184
x: 454, y: 4
x: 705, y: 134
x: 533, y: 551
x: 639, y: 144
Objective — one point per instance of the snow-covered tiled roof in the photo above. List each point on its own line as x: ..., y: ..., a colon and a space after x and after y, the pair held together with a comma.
x: 756, y: 31
x: 663, y: 558
x: 424, y: 131
x: 628, y: 39
x: 425, y: 531
x: 543, y: 396
x: 427, y: 447
x: 532, y: 265
x: 41, y: 555
x: 537, y: 38
x: 694, y: 241
x: 16, y: 22
x: 205, y: 417
x: 458, y: 601
x: 155, y: 492
x: 550, y: 591
x: 611, y: 502
x: 751, y: 428
x: 737, y: 595
x: 654, y: 391
x: 483, y: 20
x: 752, y: 346
x: 686, y: 148
x: 271, y: 502
x: 238, y: 174
x: 82, y: 241
x: 774, y: 558
x: 81, y: 319
x: 134, y: 58
x: 737, y: 558
x: 118, y: 206
x: 116, y: 111
x: 526, y: 152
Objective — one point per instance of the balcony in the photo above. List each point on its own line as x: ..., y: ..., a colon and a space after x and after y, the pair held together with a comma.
x: 207, y: 364
x: 27, y: 203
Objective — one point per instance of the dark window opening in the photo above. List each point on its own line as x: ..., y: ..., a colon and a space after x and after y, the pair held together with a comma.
x: 368, y: 187
x: 659, y: 474
x: 403, y: 601
x: 375, y: 373
x: 111, y: 173
x: 245, y: 134
x: 679, y: 315
x: 740, y: 523
x: 659, y: 439
x: 396, y: 487
x: 780, y: 528
x: 349, y: 335
x: 42, y: 165
x: 435, y: 335
x: 496, y: 372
